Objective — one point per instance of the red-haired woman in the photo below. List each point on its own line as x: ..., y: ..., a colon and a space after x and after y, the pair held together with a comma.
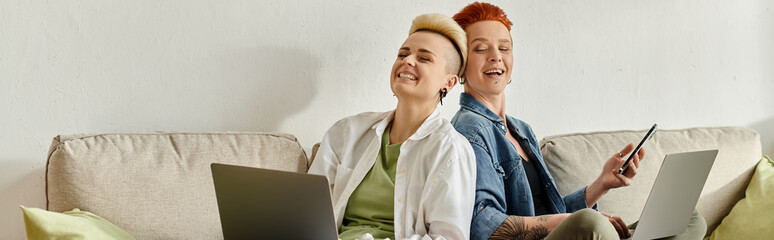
x: 516, y: 197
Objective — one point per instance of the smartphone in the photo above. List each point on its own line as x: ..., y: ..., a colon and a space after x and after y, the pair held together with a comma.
x: 637, y: 149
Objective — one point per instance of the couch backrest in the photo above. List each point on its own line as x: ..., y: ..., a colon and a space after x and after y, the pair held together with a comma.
x: 158, y: 185
x: 575, y: 160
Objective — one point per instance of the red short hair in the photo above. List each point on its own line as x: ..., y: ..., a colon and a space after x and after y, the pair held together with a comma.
x: 478, y: 11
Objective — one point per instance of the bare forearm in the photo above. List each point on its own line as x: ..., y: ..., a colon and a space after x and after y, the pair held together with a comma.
x: 594, y: 192
x: 516, y: 227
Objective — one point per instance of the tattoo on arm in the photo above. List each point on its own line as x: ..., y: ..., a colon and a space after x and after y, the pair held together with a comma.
x: 543, y: 218
x: 514, y: 228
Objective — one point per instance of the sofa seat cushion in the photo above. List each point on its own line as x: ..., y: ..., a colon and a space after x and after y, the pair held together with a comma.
x: 575, y: 160
x: 157, y: 185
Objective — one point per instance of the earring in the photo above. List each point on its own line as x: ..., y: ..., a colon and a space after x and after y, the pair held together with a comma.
x: 462, y: 80
x: 443, y: 95
x: 509, y: 81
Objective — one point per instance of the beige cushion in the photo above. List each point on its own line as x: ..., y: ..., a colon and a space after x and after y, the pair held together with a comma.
x: 314, y: 154
x: 157, y: 185
x: 575, y: 160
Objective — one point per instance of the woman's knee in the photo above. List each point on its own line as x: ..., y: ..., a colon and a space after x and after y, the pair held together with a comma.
x: 697, y: 226
x: 587, y: 216
x: 592, y: 222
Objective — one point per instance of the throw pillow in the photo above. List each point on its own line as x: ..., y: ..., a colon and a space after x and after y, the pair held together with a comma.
x: 751, y: 217
x: 75, y: 224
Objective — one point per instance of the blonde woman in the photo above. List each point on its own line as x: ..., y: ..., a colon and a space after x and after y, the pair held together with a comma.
x: 405, y: 173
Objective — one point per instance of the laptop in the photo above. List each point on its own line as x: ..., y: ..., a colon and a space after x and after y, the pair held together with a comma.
x: 674, y: 194
x: 257, y: 203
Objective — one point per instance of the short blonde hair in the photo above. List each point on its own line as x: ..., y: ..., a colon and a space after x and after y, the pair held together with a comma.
x: 447, y: 27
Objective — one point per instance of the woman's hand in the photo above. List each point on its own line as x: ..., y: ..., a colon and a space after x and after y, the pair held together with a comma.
x: 619, y: 225
x: 610, y: 178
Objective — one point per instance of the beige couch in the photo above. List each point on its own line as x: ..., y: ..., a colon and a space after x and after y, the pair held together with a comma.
x: 576, y: 159
x: 159, y: 186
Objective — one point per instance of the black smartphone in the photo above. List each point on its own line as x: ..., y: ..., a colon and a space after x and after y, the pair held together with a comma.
x: 637, y: 149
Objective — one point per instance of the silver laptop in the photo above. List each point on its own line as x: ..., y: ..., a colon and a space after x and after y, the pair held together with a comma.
x: 259, y: 203
x: 674, y: 194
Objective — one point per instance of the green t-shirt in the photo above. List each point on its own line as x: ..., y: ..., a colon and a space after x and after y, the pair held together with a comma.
x: 371, y: 206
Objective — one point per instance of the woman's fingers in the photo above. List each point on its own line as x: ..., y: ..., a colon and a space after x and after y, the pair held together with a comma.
x: 624, y: 233
x: 634, y: 164
x: 638, y: 157
x: 631, y: 170
x: 618, y: 157
x: 622, y: 179
x: 616, y: 226
x: 627, y: 149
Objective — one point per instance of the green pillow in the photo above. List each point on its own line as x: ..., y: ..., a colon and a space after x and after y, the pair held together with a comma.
x: 75, y: 224
x: 751, y: 217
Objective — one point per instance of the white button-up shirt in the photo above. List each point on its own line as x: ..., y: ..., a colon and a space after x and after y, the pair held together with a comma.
x: 435, y: 180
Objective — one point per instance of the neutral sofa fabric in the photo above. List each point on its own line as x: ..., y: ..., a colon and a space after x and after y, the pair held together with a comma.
x: 157, y: 185
x: 575, y: 160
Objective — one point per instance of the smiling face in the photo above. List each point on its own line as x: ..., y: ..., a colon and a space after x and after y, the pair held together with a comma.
x: 490, y: 58
x: 422, y: 69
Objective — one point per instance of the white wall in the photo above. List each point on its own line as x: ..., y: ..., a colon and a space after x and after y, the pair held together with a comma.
x: 134, y: 66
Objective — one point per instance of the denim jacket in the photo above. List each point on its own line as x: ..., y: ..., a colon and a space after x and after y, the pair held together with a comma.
x: 502, y: 188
